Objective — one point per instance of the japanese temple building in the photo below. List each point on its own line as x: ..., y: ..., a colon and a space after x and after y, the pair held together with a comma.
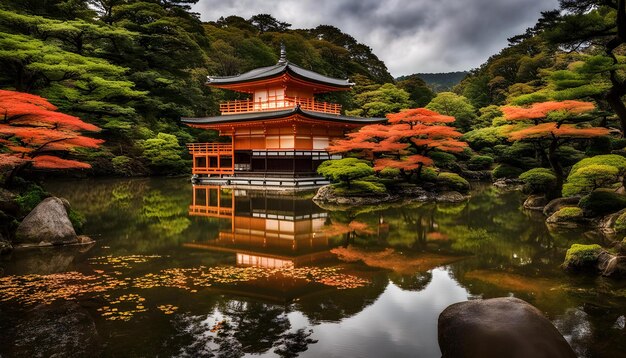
x: 279, y: 135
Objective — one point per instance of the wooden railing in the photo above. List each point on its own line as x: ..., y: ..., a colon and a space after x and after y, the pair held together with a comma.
x: 310, y: 104
x: 210, y: 148
x: 212, y: 158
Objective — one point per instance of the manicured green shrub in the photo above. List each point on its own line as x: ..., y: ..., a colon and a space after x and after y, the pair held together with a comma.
x: 369, y: 186
x: 389, y: 173
x: 428, y: 174
x: 588, y: 178
x: 345, y: 170
x: 452, y: 181
x: 538, y: 180
x: 484, y: 137
x: 601, y: 202
x: 442, y: 159
x: 506, y: 171
x: 480, y: 162
x: 613, y: 160
x: 581, y: 256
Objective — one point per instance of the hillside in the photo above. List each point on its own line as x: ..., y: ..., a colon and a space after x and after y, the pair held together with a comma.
x: 439, y: 82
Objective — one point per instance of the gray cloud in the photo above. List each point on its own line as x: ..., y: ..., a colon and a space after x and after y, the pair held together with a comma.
x: 409, y: 35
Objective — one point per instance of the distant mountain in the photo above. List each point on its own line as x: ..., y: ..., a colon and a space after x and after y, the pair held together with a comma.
x: 440, y: 82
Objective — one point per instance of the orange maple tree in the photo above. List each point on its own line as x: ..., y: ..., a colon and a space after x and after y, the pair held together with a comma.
x: 549, y: 125
x: 33, y: 132
x: 405, y: 142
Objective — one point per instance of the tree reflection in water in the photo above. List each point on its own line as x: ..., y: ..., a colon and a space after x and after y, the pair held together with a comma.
x: 240, y: 328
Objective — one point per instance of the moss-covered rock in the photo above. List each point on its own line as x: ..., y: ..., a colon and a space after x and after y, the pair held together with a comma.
x: 570, y: 213
x: 567, y: 215
x: 581, y: 256
x: 601, y: 202
x: 453, y: 182
x: 506, y: 171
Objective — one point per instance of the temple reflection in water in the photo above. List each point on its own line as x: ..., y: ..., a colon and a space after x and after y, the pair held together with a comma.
x: 266, y: 229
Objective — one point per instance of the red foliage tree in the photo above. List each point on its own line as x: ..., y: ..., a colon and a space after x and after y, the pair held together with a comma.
x: 32, y: 132
x: 403, y: 143
x: 549, y: 125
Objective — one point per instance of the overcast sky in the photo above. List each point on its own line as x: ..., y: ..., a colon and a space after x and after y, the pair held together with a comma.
x: 409, y: 35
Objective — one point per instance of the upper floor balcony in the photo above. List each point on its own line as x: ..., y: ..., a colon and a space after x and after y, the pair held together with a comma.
x: 248, y: 105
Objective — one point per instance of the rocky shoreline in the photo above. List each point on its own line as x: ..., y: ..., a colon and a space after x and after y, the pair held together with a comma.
x: 47, y: 225
x: 327, y: 197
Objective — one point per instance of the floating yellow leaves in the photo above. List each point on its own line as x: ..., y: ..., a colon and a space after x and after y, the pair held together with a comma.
x: 34, y: 289
x: 123, y: 308
x: 167, y: 309
x: 193, y: 278
x: 122, y: 261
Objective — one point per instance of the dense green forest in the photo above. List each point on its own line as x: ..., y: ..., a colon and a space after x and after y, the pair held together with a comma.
x: 134, y: 67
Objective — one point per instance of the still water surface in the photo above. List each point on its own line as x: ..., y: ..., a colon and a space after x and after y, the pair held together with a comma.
x: 201, y: 271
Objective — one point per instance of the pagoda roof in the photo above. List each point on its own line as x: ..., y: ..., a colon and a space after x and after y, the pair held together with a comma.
x: 281, y: 68
x: 266, y: 115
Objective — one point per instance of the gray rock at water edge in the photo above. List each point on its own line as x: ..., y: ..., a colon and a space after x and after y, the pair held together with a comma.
x: 499, y: 327
x: 450, y: 197
x: 556, y: 204
x: 47, y: 224
x: 535, y: 202
x: 61, y: 329
x: 506, y: 183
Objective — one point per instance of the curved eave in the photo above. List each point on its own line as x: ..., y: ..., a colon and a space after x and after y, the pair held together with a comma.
x: 269, y: 115
x: 267, y: 73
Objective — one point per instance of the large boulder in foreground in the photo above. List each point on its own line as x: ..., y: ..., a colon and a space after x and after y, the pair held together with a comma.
x: 499, y: 327
x: 47, y: 224
x: 61, y: 329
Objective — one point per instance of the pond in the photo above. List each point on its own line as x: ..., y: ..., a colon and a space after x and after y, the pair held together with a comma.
x: 188, y: 271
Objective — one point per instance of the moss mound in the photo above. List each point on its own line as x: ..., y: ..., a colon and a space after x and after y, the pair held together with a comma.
x: 451, y: 181
x: 568, y: 213
x: 602, y: 202
x: 582, y: 256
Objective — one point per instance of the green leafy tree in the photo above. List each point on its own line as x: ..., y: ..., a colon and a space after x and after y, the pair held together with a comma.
x: 377, y: 103
x: 418, y: 90
x: 451, y: 104
x: 163, y: 152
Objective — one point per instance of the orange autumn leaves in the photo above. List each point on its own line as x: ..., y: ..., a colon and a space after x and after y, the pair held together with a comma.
x: 34, y: 132
x: 546, y: 127
x: 405, y: 142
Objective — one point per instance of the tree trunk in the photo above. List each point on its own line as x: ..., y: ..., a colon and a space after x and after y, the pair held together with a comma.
x: 615, y: 101
x: 557, y: 168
